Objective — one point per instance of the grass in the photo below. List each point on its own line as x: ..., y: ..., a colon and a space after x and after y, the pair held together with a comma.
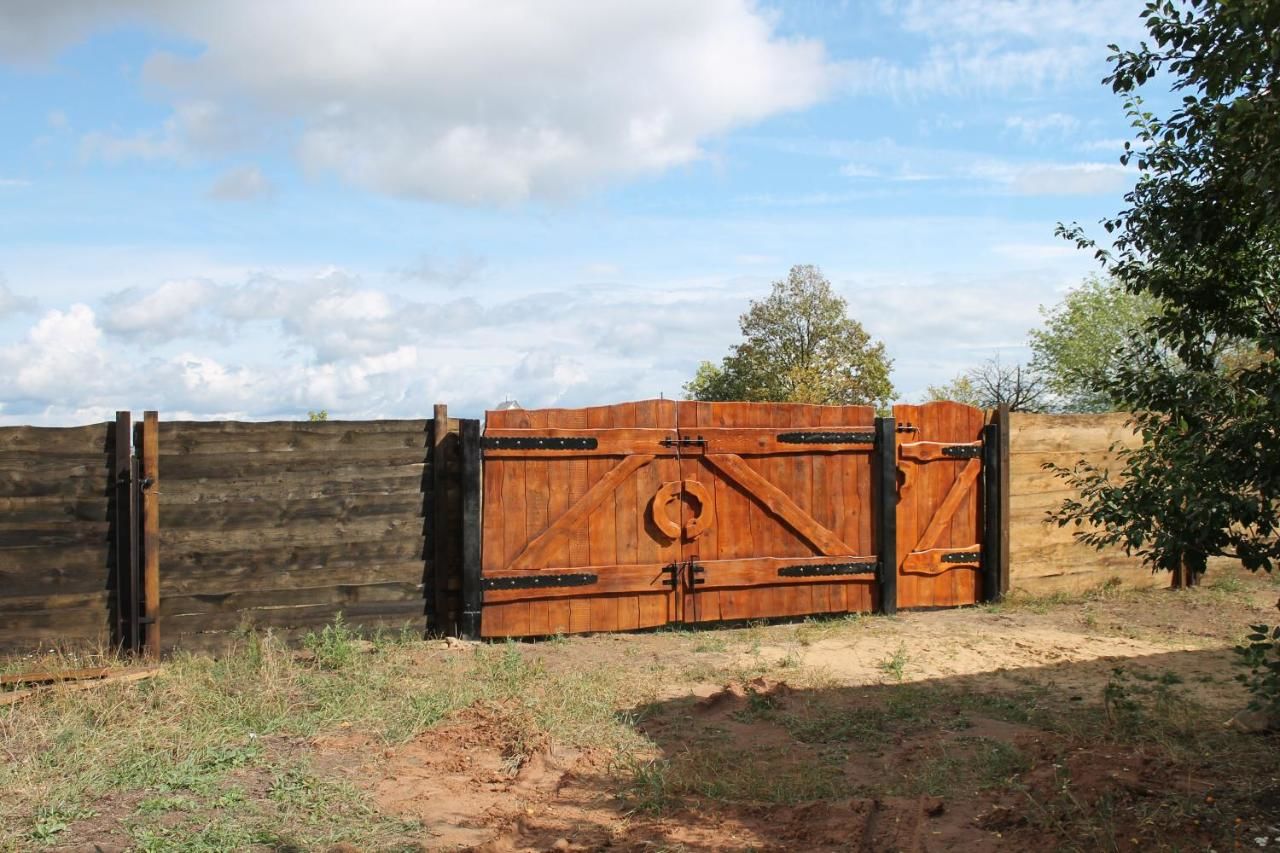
x: 190, y: 741
x: 215, y: 754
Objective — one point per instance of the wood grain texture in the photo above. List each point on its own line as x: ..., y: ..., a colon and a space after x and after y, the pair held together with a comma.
x: 1045, y: 558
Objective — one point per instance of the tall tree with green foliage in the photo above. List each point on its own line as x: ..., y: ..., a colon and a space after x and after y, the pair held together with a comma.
x: 799, y: 345
x: 1079, y: 349
x: 1200, y: 235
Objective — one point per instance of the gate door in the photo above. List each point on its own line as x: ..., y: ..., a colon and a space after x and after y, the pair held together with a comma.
x: 639, y: 514
x: 777, y: 509
x: 939, y: 504
x: 569, y: 544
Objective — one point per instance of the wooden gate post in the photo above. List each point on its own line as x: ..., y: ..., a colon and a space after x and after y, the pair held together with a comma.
x: 884, y: 495
x: 149, y: 492
x: 442, y: 553
x: 472, y: 593
x: 993, y: 519
x: 123, y: 476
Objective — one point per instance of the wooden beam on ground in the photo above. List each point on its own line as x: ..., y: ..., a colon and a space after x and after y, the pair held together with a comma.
x: 119, y: 677
x: 55, y: 675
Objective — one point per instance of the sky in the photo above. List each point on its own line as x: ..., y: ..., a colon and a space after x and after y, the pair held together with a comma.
x: 253, y: 210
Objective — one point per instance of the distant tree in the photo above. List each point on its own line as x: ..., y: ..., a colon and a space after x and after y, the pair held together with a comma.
x: 992, y: 383
x: 322, y: 415
x: 1078, y: 350
x: 799, y: 345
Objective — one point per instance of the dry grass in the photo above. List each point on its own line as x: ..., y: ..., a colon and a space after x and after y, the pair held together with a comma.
x: 217, y: 754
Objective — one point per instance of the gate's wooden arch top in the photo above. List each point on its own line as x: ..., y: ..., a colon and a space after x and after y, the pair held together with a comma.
x: 939, y: 504
x: 638, y: 514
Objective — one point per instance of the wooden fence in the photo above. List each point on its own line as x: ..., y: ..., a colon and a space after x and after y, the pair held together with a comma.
x: 287, y: 524
x: 280, y: 525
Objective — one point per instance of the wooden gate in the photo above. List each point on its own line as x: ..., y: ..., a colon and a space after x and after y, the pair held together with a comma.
x: 940, y: 516
x: 640, y: 514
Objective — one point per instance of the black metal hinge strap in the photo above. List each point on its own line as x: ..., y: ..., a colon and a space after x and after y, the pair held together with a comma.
x: 961, y: 452
x: 540, y: 581
x: 537, y: 442
x: 962, y: 557
x: 827, y: 438
x: 828, y: 569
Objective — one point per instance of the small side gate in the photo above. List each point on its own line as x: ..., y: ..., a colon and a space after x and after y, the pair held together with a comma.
x: 642, y: 514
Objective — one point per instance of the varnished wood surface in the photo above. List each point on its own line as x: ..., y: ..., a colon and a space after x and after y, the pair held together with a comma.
x: 774, y: 502
x: 939, y: 504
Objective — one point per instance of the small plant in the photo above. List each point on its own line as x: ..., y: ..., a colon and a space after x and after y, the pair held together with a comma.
x: 895, y: 666
x: 1261, y: 657
x: 334, y: 646
x: 51, y: 821
x: 315, y: 417
x: 649, y: 786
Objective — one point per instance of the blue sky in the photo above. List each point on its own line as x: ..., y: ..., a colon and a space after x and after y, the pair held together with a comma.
x: 252, y: 210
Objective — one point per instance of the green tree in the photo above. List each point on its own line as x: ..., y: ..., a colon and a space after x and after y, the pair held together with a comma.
x: 322, y: 415
x: 1200, y: 235
x: 799, y: 345
x: 1078, y: 349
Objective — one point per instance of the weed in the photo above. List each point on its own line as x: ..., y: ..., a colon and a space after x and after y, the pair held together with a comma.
x: 334, y: 646
x: 895, y: 666
x: 647, y: 786
x: 52, y: 820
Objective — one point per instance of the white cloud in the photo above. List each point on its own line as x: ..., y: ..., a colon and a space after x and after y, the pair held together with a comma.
x: 158, y: 314
x: 14, y: 182
x: 1033, y: 128
x: 486, y: 103
x: 244, y: 183
x: 1073, y: 179
x: 60, y: 361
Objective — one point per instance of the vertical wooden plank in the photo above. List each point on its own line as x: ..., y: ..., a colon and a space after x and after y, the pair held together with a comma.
x: 796, y: 479
x: 536, y: 504
x: 472, y: 530
x: 627, y: 526
x: 440, y: 569
x: 1002, y: 418
x: 910, y: 501
x: 127, y: 604
x: 559, y: 616
x: 150, y: 446
x: 992, y: 524
x: 886, y: 494
x: 601, y: 540
x: 708, y: 603
x: 829, y: 508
